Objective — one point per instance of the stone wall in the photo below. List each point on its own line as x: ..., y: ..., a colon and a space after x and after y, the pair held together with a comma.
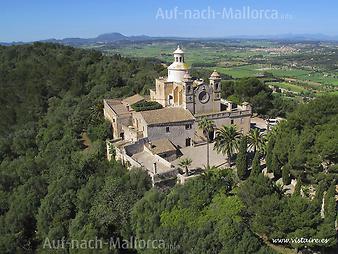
x: 177, y: 133
x: 132, y: 163
x: 139, y: 123
x: 241, y: 119
x: 136, y: 147
x: 115, y: 120
x: 131, y: 133
x: 169, y: 156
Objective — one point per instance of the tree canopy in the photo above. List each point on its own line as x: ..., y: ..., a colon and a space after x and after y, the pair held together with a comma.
x: 308, y: 140
x: 259, y: 95
x: 52, y: 183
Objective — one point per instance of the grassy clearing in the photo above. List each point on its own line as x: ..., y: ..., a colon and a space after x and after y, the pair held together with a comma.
x: 240, y: 71
x: 289, y: 86
x: 305, y: 75
x: 329, y: 93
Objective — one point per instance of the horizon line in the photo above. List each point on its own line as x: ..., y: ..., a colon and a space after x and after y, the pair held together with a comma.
x: 240, y: 36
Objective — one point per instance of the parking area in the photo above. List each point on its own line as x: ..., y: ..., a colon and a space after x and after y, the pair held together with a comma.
x: 258, y: 122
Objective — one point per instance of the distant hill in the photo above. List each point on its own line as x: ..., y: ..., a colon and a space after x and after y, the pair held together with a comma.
x: 110, y: 38
x: 290, y: 37
x: 103, y: 38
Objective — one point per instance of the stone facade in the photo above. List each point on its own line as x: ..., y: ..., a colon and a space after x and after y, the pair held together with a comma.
x: 118, y: 115
x: 152, y: 139
x: 181, y: 134
x: 202, y: 99
x: 179, y: 130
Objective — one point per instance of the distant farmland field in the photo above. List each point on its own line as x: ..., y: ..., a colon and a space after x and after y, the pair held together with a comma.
x: 230, y: 60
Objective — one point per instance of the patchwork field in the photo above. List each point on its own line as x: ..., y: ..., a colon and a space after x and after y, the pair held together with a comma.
x: 304, y: 67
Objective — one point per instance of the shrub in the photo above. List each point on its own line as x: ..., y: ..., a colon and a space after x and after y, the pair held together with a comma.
x: 146, y: 105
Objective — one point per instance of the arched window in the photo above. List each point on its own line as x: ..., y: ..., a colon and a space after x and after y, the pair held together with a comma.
x: 170, y: 99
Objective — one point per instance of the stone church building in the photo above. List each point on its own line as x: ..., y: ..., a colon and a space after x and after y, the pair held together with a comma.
x: 152, y: 139
x: 202, y: 99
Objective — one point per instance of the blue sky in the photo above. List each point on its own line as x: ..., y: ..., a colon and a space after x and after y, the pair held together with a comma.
x: 29, y: 20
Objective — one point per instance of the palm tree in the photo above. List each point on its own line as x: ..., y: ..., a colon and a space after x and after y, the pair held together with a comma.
x: 210, y: 172
x: 256, y: 140
x: 96, y: 112
x: 226, y: 141
x: 210, y: 168
x: 206, y: 126
x: 185, y: 163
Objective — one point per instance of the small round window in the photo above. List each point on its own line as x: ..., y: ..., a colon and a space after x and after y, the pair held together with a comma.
x: 203, y: 97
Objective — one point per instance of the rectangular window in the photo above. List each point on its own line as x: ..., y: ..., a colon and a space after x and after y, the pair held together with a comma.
x: 188, y: 142
x: 167, y: 129
x: 232, y: 121
x: 188, y: 126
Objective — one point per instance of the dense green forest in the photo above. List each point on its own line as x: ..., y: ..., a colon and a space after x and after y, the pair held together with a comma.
x: 56, y: 185
x: 259, y: 95
x: 50, y: 183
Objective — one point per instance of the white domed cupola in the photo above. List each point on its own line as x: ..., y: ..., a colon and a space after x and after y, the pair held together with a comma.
x: 179, y: 55
x: 178, y: 68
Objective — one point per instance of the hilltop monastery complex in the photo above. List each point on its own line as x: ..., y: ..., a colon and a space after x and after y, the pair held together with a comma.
x: 156, y: 140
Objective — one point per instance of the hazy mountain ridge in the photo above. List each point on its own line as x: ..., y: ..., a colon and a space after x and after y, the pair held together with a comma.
x: 116, y: 37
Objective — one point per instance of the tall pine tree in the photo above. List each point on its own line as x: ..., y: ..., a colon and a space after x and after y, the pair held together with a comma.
x: 286, y: 174
x: 276, y: 167
x: 327, y: 229
x: 256, y: 165
x: 241, y: 161
x: 298, y: 187
x: 269, y: 154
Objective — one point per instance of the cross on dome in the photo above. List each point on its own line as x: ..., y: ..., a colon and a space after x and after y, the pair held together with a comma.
x: 178, y: 50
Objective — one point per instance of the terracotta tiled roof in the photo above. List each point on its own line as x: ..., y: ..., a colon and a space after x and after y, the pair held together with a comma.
x: 166, y: 115
x: 117, y: 106
x: 133, y: 99
x: 161, y: 146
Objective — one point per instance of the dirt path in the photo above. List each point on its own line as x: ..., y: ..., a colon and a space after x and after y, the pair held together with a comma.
x: 86, y: 140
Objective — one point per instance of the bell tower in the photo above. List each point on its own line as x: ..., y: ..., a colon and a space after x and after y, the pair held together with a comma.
x: 189, y: 93
x: 178, y: 68
x: 215, y: 83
